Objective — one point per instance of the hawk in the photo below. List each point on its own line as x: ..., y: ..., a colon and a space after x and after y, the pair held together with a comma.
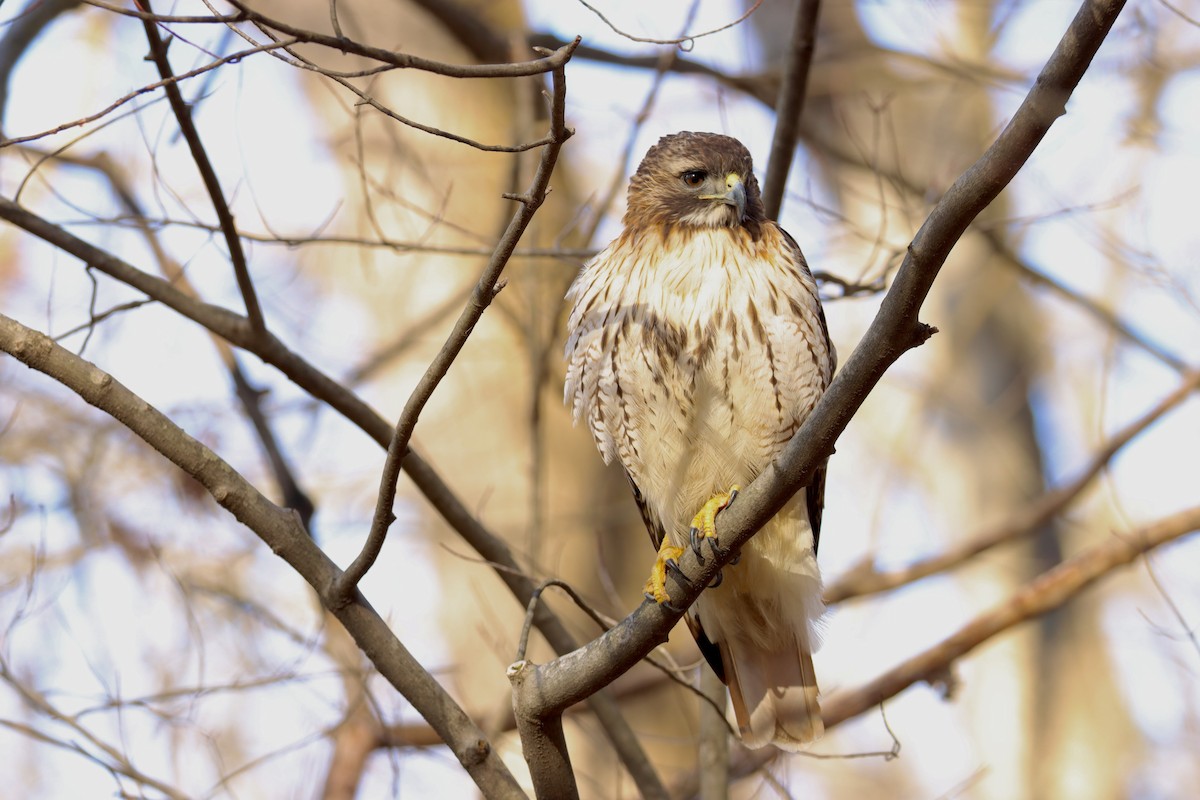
x: 696, y: 347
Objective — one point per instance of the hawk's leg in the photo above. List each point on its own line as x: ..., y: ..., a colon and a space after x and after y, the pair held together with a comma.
x: 667, y: 561
x: 704, y: 526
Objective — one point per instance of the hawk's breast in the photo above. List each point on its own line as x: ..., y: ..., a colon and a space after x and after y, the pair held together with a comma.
x: 694, y: 355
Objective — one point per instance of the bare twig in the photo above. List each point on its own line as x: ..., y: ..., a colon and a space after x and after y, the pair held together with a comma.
x: 864, y: 579
x: 481, y: 298
x: 790, y: 105
x: 682, y: 40
x: 212, y: 184
x: 540, y: 693
x: 1095, y: 309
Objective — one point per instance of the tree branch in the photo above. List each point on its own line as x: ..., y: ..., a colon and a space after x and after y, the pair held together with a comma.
x: 790, y: 105
x: 541, y: 693
x: 281, y: 530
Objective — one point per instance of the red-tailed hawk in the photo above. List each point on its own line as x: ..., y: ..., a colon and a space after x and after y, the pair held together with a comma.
x: 696, y: 348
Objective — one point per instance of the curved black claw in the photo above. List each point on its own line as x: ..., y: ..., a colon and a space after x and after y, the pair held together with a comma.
x: 672, y: 566
x: 665, y: 604
x: 695, y: 539
x: 718, y: 580
x: 736, y: 558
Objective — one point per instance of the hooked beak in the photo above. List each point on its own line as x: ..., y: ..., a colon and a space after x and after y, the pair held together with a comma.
x: 735, y: 195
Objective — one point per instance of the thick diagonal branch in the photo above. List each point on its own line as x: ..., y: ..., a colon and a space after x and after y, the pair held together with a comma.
x: 541, y: 693
x: 282, y: 531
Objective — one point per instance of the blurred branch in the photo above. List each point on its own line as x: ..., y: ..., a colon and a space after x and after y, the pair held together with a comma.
x: 104, y: 754
x: 291, y: 492
x: 790, y: 105
x: 1011, y: 260
x: 713, y: 749
x: 21, y: 32
x: 540, y: 66
x: 212, y: 184
x: 281, y: 531
x: 864, y: 579
x: 542, y: 692
x: 467, y: 26
x: 485, y: 290
x: 1099, y: 312
x: 1046, y: 593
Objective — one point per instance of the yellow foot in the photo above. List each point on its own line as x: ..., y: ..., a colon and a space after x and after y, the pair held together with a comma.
x: 704, y: 524
x: 656, y: 584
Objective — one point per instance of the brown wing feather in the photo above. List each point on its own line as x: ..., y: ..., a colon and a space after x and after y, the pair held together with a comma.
x: 815, y: 498
x: 653, y: 526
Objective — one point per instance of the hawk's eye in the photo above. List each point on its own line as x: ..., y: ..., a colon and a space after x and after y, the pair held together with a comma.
x: 694, y: 177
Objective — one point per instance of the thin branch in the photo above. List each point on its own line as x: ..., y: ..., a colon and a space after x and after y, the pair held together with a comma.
x: 864, y: 579
x: 682, y: 40
x: 540, y: 693
x: 183, y: 114
x: 281, y: 530
x: 454, y: 137
x: 181, y: 19
x: 790, y: 105
x: 752, y: 85
x: 1047, y: 592
x: 485, y: 290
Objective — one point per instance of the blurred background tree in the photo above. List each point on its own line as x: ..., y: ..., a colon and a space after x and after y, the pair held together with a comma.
x: 151, y: 646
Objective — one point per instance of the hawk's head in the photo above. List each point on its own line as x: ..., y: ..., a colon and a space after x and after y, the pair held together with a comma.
x: 695, y: 179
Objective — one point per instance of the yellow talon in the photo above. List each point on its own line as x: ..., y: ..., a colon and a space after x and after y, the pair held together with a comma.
x: 704, y: 524
x: 656, y: 584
